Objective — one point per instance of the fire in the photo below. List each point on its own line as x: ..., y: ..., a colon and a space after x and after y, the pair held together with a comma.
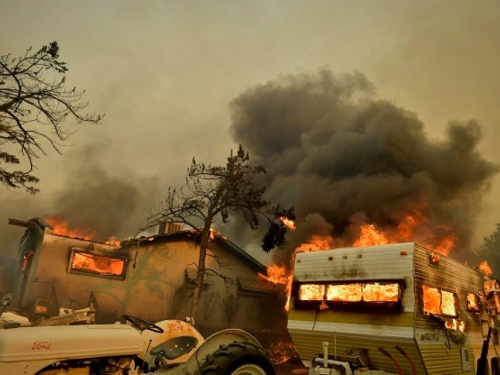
x: 317, y: 243
x: 290, y: 224
x: 370, y: 236
x: 61, y: 228
x: 485, y: 268
x: 350, y: 292
x: 279, y: 275
x: 312, y: 292
x: 113, y: 241
x: 455, y: 324
x: 345, y: 292
x: 472, y: 302
x: 96, y: 263
x: 438, y: 302
x: 414, y: 226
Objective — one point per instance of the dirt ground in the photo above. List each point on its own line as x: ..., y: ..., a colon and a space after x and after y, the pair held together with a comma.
x: 294, y: 367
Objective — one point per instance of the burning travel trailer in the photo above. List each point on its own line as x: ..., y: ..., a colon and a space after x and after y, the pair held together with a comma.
x: 392, y: 309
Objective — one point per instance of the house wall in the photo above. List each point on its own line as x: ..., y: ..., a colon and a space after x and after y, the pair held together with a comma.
x: 155, y: 285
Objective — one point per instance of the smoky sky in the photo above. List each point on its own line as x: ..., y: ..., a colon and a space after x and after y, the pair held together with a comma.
x: 339, y: 154
x: 98, y: 198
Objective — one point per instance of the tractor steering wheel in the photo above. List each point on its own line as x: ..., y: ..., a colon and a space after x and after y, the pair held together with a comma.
x: 142, y: 324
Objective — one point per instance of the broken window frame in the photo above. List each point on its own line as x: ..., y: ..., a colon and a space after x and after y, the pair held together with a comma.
x: 88, y: 272
x: 362, y: 305
x: 440, y: 313
x: 474, y: 307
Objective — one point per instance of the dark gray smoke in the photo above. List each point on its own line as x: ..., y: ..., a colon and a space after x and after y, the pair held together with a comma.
x: 340, y: 156
x: 98, y: 199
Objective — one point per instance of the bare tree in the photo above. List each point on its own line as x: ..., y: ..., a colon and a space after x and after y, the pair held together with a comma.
x: 34, y: 104
x: 217, y: 192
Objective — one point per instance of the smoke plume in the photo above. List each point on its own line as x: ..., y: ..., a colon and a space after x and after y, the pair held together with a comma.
x: 342, y: 157
x: 98, y: 199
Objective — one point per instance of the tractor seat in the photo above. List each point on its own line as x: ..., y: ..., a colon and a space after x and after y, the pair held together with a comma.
x: 175, y: 347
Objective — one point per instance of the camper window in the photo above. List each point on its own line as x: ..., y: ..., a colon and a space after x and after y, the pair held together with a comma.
x: 472, y: 302
x: 352, y: 294
x: 439, y: 302
x: 311, y: 292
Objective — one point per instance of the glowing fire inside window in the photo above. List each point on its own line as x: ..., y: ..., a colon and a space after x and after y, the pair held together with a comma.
x: 345, y: 292
x: 311, y: 292
x: 455, y: 324
x: 439, y: 302
x: 381, y: 292
x: 99, y: 264
x: 351, y: 292
x: 472, y: 302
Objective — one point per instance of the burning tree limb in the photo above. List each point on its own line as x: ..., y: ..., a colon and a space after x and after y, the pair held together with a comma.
x: 212, y: 194
x: 33, y: 109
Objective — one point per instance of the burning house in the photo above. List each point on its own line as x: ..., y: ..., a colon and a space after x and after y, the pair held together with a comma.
x: 151, y: 277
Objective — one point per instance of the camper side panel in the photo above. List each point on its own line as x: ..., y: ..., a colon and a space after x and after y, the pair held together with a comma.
x: 352, y: 325
x: 447, y: 351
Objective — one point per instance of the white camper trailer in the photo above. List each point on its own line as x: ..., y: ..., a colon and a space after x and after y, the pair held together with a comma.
x: 392, y: 309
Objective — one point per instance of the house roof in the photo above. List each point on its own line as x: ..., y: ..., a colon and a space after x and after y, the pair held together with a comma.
x: 191, y: 235
x: 258, y: 285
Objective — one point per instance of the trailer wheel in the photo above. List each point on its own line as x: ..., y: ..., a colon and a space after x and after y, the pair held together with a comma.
x: 238, y: 358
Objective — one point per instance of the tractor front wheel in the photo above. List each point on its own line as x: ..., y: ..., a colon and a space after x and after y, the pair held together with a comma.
x: 238, y: 358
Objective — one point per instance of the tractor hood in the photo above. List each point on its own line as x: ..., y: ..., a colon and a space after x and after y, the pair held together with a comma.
x: 51, y: 343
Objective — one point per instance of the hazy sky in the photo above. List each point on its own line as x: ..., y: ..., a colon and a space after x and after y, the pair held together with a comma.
x: 164, y: 73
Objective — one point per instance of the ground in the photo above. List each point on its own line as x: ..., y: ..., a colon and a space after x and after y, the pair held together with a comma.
x: 292, y: 367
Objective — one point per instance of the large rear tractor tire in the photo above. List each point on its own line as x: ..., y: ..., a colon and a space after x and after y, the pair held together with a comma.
x: 238, y: 358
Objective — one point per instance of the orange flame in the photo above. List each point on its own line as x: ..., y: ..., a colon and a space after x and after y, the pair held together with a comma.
x: 279, y: 275
x: 485, y: 268
x: 290, y: 224
x: 414, y: 226
x: 61, y: 228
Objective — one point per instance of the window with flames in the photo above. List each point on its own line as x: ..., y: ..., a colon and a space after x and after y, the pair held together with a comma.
x: 439, y: 302
x: 97, y: 264
x: 353, y: 293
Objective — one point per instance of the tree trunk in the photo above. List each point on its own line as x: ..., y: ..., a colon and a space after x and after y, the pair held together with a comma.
x: 200, y: 274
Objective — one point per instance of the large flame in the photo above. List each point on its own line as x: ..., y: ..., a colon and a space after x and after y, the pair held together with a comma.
x: 414, y: 226
x: 61, y: 227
